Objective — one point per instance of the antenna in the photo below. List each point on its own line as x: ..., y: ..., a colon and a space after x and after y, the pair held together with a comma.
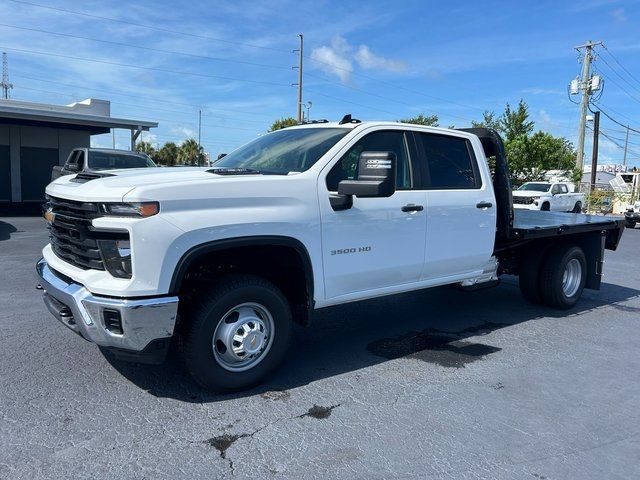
x: 6, y: 86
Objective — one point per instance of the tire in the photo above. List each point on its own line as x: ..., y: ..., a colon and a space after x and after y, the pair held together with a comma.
x: 563, y: 276
x: 244, y: 304
x: 545, y: 207
x: 577, y: 208
x: 630, y: 224
x: 529, y: 276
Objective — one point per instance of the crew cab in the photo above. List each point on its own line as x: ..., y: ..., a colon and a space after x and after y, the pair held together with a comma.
x: 223, y: 261
x: 548, y: 196
x: 92, y: 162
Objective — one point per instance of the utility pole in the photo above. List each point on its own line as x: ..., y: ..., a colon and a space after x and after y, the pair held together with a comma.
x: 594, y: 153
x: 299, y: 84
x: 626, y: 145
x: 6, y: 86
x: 585, y: 86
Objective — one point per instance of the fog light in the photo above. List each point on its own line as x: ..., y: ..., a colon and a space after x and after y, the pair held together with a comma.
x: 112, y: 321
x: 116, y: 255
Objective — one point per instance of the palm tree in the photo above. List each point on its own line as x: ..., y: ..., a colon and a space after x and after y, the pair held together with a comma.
x: 191, y: 153
x: 168, y: 154
x: 146, y: 147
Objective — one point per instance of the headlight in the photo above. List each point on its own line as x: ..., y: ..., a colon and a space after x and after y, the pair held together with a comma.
x: 143, y: 209
x: 116, y: 255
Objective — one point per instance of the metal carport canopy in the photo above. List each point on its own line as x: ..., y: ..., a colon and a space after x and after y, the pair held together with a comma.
x: 59, y: 119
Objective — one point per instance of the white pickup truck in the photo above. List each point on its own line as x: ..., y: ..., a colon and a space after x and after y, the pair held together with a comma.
x: 546, y: 196
x: 224, y: 260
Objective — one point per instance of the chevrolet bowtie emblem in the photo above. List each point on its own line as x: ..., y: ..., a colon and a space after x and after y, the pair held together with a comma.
x: 49, y: 216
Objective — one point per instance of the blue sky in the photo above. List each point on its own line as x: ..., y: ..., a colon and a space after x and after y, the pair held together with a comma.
x: 376, y: 60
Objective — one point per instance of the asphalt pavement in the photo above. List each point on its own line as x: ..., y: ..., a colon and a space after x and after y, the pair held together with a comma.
x: 437, y: 384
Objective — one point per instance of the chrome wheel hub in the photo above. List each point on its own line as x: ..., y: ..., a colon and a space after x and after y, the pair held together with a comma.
x: 572, y: 277
x: 243, y: 337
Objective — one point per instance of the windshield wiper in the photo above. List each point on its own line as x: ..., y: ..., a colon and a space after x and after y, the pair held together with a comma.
x: 234, y: 171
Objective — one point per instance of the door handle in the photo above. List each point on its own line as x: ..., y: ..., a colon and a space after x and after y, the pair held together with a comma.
x: 484, y: 205
x: 412, y: 208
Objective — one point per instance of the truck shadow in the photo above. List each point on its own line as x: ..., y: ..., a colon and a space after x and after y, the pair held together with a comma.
x: 6, y: 229
x: 439, y: 325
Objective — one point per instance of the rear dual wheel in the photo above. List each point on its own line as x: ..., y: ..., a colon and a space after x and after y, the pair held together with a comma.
x: 556, y: 279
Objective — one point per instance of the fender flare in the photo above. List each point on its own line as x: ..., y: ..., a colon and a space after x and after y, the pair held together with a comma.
x: 261, y: 240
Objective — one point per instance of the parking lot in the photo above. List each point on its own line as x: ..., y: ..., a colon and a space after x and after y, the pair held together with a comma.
x: 433, y: 384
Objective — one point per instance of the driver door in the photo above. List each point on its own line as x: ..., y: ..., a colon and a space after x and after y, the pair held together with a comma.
x: 378, y: 243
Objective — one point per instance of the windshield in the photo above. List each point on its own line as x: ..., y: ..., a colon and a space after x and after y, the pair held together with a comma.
x: 116, y: 160
x: 284, y: 151
x: 535, y: 187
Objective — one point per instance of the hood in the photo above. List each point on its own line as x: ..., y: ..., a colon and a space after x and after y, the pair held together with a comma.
x: 115, y: 187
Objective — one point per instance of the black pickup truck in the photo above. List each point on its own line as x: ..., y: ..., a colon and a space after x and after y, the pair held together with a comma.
x: 90, y: 161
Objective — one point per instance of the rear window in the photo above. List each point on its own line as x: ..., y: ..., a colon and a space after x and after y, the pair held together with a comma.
x: 450, y: 162
x: 115, y: 161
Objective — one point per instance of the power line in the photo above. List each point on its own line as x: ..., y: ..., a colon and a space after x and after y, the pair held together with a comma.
x: 618, y: 74
x: 167, y: 30
x: 619, y: 86
x: 599, y: 105
x: 616, y: 121
x: 621, y: 65
x: 150, y: 27
x: 142, y: 67
x: 167, y: 102
x: 150, y: 49
x: 206, y: 57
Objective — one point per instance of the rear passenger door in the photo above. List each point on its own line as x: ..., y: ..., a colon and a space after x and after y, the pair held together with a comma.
x: 461, y: 208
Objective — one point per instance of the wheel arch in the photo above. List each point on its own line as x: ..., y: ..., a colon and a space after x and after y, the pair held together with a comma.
x: 215, y: 248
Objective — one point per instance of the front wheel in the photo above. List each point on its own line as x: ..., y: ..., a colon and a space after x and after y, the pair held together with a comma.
x: 630, y: 223
x: 545, y: 207
x: 238, y: 334
x: 563, y: 277
x: 577, y: 208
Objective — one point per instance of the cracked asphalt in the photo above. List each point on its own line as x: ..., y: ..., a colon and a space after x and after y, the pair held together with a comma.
x: 435, y: 384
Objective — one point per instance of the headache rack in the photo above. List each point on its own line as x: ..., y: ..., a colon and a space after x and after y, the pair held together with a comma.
x: 73, y: 237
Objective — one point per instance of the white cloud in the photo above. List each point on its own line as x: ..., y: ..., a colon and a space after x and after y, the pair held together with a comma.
x: 338, y: 59
x: 619, y: 15
x: 367, y: 59
x: 334, y: 59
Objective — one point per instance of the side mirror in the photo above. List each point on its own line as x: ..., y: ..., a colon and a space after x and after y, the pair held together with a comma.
x: 376, y: 176
x: 72, y: 167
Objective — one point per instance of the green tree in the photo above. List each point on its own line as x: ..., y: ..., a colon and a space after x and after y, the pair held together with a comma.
x: 422, y: 119
x: 530, y: 155
x: 168, y: 154
x: 190, y: 153
x: 146, y: 147
x: 489, y: 120
x: 514, y: 123
x: 284, y: 122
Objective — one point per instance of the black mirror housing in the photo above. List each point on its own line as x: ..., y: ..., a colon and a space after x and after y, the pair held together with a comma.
x: 377, y: 173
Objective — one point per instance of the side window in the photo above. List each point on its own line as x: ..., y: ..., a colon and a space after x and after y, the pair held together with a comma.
x: 381, y: 141
x: 450, y: 162
x: 564, y: 189
x: 555, y: 189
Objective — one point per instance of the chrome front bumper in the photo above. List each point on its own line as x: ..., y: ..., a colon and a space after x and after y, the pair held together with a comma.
x: 144, y: 322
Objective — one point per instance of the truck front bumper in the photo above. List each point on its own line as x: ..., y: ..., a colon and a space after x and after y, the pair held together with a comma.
x: 133, y: 329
